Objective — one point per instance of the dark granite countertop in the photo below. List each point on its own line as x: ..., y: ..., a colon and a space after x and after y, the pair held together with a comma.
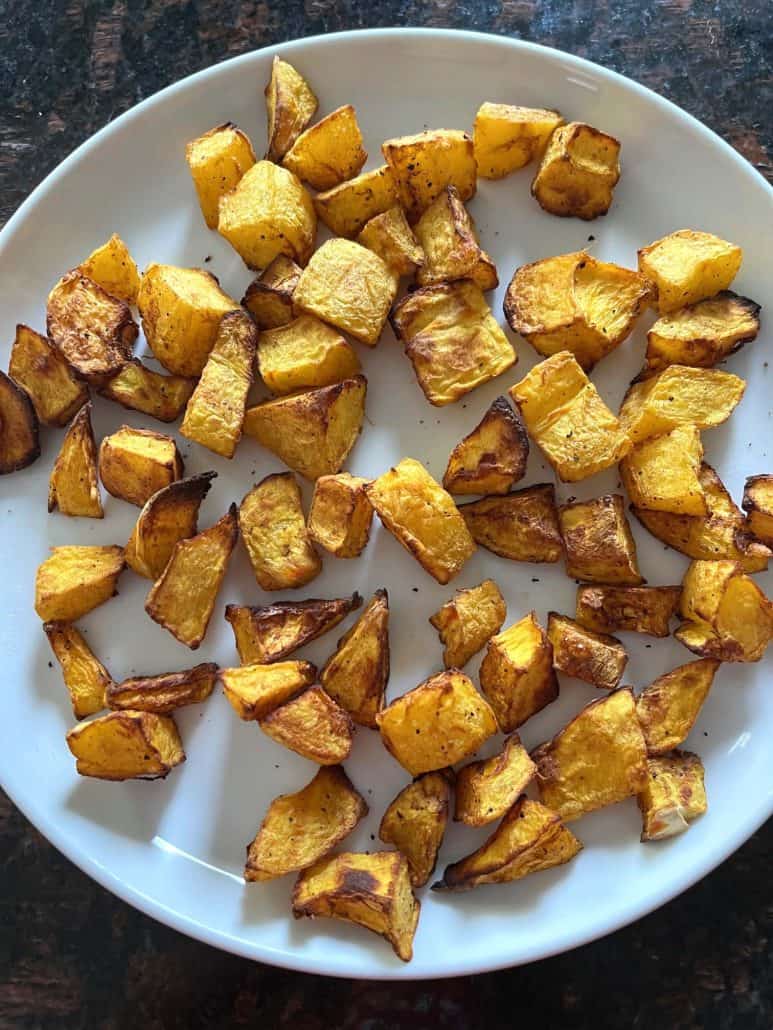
x: 72, y: 955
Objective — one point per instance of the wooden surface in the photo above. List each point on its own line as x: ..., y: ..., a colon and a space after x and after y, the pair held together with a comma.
x: 71, y: 955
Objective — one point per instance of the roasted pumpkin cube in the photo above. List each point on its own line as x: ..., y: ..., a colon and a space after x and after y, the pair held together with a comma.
x: 667, y: 709
x: 181, y: 310
x: 73, y: 487
x: 595, y: 658
x: 347, y: 208
x: 313, y: 726
x: 491, y: 458
x: 274, y: 533
x: 468, y: 621
x: 487, y: 789
x: 663, y: 473
x: 138, y: 388
x: 636, y: 609
x: 341, y: 514
x: 255, y: 690
x: 348, y: 286
x: 449, y: 240
x: 290, y: 106
x: 126, y: 746
x: 134, y: 464
x: 370, y: 890
x: 521, y: 526
x: 758, y: 504
x: 42, y: 372
x: 578, y: 172
x: 506, y: 137
x: 19, y: 431
x: 93, y: 330
x: 217, y: 161
x: 112, y: 267
x: 389, y: 235
x: 415, y: 823
x: 424, y: 164
x: 183, y: 597
x: 516, y: 674
x: 419, y: 513
x: 164, y: 693
x: 269, y: 633
x: 75, y: 579
x: 329, y: 152
x: 304, y: 353
x: 452, y: 339
x: 311, y: 431
x: 597, y: 759
x: 687, y: 266
x: 598, y: 541
x: 567, y: 418
x: 356, y: 676
x: 436, y: 724
x: 673, y: 796
x: 269, y: 297
x: 85, y: 677
x: 299, y: 829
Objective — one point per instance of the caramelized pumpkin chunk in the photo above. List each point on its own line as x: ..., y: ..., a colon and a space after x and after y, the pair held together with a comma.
x: 415, y: 822
x: 272, y: 632
x: 356, y: 675
x: 126, y: 746
x: 74, y: 485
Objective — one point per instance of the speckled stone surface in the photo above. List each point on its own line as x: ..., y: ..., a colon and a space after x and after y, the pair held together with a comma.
x: 71, y: 955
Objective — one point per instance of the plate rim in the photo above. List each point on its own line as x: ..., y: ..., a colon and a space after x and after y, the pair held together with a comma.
x: 69, y: 847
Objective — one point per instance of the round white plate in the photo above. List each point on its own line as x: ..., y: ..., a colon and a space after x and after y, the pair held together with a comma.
x: 175, y: 848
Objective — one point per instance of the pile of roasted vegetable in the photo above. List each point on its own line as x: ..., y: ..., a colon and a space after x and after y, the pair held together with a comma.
x: 405, y: 220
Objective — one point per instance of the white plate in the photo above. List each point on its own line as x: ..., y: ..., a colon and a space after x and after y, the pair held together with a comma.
x: 175, y: 848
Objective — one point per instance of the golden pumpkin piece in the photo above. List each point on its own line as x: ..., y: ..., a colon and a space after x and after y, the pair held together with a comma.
x: 578, y: 172
x: 609, y: 609
x: 19, y: 430
x: 215, y: 412
x: 303, y: 354
x: 595, y: 658
x: 126, y: 746
x: 415, y: 822
x: 687, y: 266
x: 356, y: 675
x: 347, y: 208
x: 269, y: 297
x: 449, y: 240
x: 134, y: 464
x: 290, y: 106
x: 183, y: 597
x: 667, y: 709
x: 506, y: 137
x: 112, y: 267
x: 86, y: 678
x: 598, y: 541
x: 486, y: 790
x: 94, y: 331
x: 311, y: 431
x: 703, y: 334
x: 597, y: 759
x: 419, y: 513
x: 521, y: 526
x: 165, y: 692
x: 299, y: 829
x: 517, y: 674
x: 468, y: 620
x: 313, y: 726
x: 370, y: 890
x: 44, y: 375
x: 452, y: 339
x: 758, y: 504
x: 721, y: 533
x: 673, y: 796
x: 217, y: 161
x: 181, y: 310
x: 167, y: 517
x: 574, y: 302
x: 726, y: 614
x: 138, y: 388
x: 529, y: 839
x: 256, y: 690
x: 567, y: 418
x: 491, y: 458
x: 329, y: 152
x: 268, y: 213
x: 436, y: 724
x: 75, y: 579
x: 274, y: 533
x: 348, y: 286
x: 271, y: 632
x: 424, y: 164
x: 663, y: 473
x: 340, y: 515
x: 389, y: 235
x: 73, y: 487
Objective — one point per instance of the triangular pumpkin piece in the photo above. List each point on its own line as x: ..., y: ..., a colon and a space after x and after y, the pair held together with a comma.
x: 356, y: 675
x: 74, y: 487
x: 492, y: 457
x: 271, y: 632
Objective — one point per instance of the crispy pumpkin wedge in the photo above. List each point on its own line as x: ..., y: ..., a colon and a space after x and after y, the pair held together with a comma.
x: 346, y: 209
x: 73, y: 487
x: 687, y: 266
x: 41, y: 370
x: 290, y: 106
x: 517, y: 674
x: 608, y: 609
x: 595, y: 658
x: 390, y: 236
x: 313, y: 726
x: 139, y: 388
x: 487, y: 789
x: 256, y: 690
x: 112, y: 267
x: 270, y: 633
x: 86, y: 678
x: 134, y: 464
x: 126, y: 746
x: 357, y: 674
x: 521, y: 526
x: 328, y: 152
x: 598, y: 541
x: 663, y: 473
x: 75, y: 579
x: 468, y: 620
x: 491, y: 458
x: 165, y: 692
x: 19, y: 432
x: 415, y: 822
x: 673, y: 796
x: 269, y: 297
x: 274, y: 533
x: 340, y: 515
x: 667, y: 709
x: 424, y: 164
x: 217, y: 161
x: 449, y: 241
